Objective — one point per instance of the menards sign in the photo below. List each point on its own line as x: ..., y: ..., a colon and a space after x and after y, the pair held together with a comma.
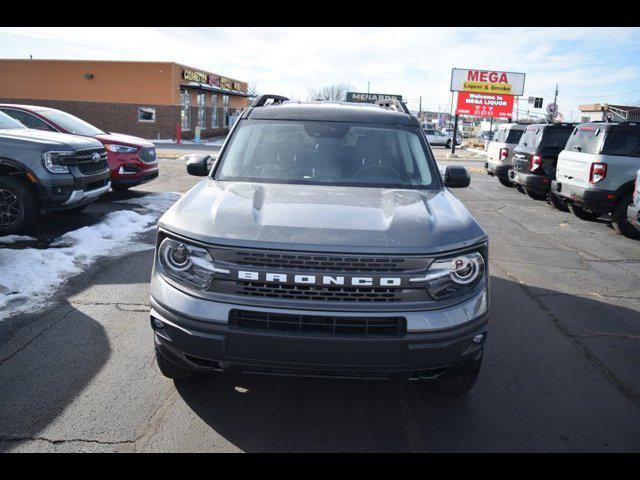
x: 487, y: 81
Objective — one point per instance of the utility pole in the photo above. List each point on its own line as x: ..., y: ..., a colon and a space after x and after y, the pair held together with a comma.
x: 368, y: 85
x: 555, y: 97
x: 420, y: 107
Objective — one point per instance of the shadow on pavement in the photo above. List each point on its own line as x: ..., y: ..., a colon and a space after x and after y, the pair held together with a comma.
x: 43, y: 377
x: 526, y: 398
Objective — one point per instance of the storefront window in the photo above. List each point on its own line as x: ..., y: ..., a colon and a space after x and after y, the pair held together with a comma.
x: 201, y: 110
x: 185, y: 110
x: 214, y: 110
x: 225, y: 109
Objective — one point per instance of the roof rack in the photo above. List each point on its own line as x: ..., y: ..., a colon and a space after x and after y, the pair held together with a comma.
x: 261, y: 100
x: 393, y: 104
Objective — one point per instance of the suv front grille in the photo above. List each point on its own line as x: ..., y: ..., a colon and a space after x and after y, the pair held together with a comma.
x: 319, y: 293
x: 334, y: 263
x: 316, y: 324
x: 147, y: 155
x: 91, y: 168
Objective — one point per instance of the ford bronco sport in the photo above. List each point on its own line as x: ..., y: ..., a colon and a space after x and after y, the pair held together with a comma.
x: 324, y: 242
x: 535, y: 158
x: 596, y: 172
x: 46, y: 171
x: 500, y: 151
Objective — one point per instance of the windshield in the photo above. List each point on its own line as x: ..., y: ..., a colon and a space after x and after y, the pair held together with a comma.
x: 326, y: 153
x: 70, y: 123
x: 6, y: 122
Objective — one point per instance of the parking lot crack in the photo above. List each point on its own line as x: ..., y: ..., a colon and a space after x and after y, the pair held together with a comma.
x: 35, y: 337
x: 621, y: 386
x: 58, y: 441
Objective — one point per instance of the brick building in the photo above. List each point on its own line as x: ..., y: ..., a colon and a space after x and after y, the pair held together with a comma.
x: 147, y: 99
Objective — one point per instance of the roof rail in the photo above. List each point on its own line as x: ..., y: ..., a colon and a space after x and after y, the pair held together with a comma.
x: 261, y: 100
x: 393, y: 104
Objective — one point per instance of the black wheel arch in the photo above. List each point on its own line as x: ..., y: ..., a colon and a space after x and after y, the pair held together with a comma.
x: 13, y: 168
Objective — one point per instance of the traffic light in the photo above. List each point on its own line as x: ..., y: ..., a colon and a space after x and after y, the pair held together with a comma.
x: 537, y: 102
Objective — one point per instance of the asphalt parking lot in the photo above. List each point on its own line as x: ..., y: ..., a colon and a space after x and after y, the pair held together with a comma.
x: 560, y: 371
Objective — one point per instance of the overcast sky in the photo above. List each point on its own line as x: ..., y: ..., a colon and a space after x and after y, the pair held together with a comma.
x: 590, y: 64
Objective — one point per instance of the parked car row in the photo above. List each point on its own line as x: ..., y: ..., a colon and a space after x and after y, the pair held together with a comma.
x: 590, y: 169
x: 53, y: 161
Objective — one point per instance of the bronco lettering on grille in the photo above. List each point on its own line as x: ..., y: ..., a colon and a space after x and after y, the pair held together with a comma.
x: 319, y: 279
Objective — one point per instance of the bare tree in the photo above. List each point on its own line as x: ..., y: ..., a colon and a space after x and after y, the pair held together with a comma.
x: 336, y: 92
x: 252, y: 90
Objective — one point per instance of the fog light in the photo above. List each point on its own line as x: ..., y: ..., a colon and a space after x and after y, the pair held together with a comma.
x: 478, y: 339
x: 156, y: 323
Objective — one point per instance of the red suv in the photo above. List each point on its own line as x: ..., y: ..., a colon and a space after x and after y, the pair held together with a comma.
x: 132, y: 160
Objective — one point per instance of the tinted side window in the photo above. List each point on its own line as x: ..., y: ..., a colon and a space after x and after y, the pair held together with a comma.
x: 28, y: 120
x: 622, y: 143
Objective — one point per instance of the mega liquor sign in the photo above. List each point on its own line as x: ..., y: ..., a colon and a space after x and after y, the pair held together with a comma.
x: 487, y: 81
x: 485, y: 105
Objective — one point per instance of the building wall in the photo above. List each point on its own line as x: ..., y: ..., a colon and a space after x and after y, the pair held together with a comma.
x: 111, y: 98
x: 115, y: 82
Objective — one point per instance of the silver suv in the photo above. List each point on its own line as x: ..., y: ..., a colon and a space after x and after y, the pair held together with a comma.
x: 596, y: 172
x: 500, y: 151
x: 324, y: 242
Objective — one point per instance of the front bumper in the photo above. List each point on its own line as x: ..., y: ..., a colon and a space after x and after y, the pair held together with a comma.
x: 72, y: 191
x: 633, y: 215
x: 593, y: 199
x: 139, y: 178
x: 437, y: 342
x: 530, y: 181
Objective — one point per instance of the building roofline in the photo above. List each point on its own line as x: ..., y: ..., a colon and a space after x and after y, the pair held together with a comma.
x: 148, y: 62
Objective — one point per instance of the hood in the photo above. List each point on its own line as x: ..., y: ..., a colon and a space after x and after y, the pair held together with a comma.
x: 74, y: 142
x: 124, y: 140
x: 322, y: 218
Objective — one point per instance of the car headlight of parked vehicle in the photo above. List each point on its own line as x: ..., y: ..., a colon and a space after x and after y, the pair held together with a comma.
x: 186, y: 263
x: 453, y: 275
x: 115, y: 148
x: 54, y: 161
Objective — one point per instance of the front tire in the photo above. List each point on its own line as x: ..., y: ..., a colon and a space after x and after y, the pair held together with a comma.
x: 18, y: 205
x: 583, y: 214
x: 174, y: 371
x: 619, y: 220
x: 448, y: 144
x: 460, y: 383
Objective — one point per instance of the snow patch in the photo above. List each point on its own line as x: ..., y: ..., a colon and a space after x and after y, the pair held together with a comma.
x: 29, y: 277
x: 16, y: 238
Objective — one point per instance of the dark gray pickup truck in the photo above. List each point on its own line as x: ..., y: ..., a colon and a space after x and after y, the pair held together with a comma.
x: 323, y: 242
x: 46, y: 171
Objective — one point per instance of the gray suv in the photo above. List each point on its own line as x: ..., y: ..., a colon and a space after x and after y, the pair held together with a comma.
x: 323, y: 242
x: 46, y: 171
x: 596, y: 171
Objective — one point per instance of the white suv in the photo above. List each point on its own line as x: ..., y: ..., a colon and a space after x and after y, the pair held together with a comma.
x: 596, y: 172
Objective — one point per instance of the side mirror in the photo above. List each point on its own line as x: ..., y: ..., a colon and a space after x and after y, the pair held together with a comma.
x: 456, y: 176
x: 200, y: 165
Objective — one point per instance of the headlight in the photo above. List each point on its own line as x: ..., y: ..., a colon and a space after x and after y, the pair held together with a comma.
x: 52, y: 161
x: 186, y: 263
x: 453, y: 275
x: 115, y: 148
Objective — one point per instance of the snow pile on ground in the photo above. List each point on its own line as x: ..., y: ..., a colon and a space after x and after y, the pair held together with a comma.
x: 16, y: 238
x: 28, y: 277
